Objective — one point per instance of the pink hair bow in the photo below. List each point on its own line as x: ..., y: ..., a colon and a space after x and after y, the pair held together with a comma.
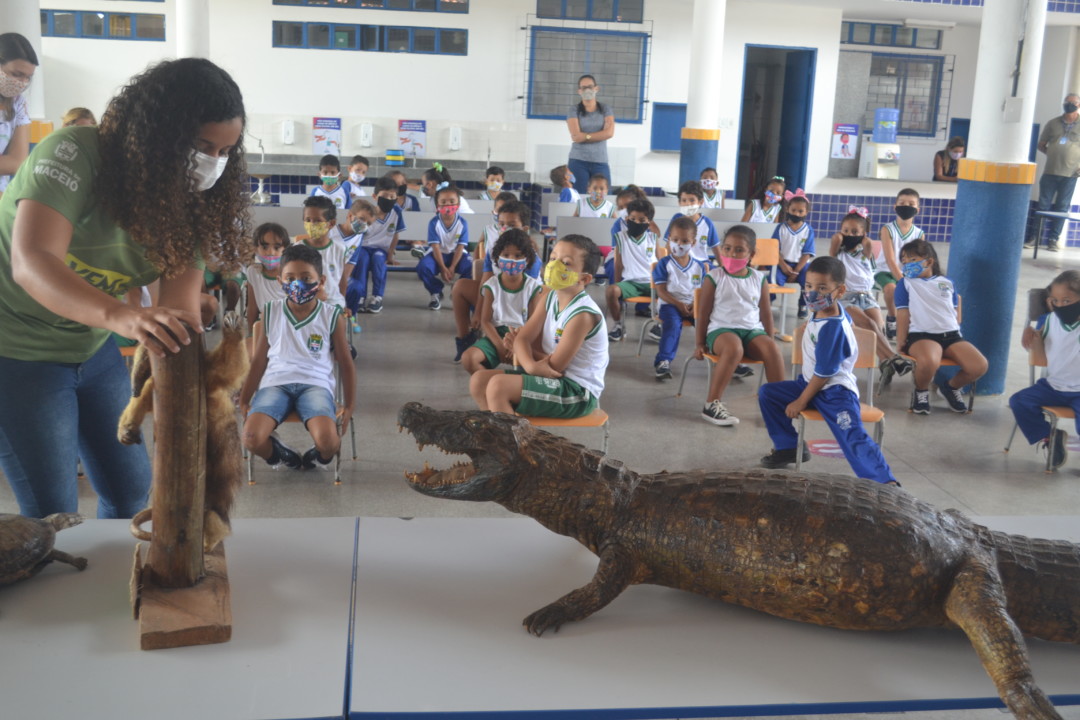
x: 860, y: 211
x: 798, y: 193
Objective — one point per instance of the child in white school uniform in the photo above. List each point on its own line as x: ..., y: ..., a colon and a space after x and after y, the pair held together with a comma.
x: 707, y: 247
x: 928, y: 330
x: 635, y: 252
x: 358, y: 168
x: 767, y: 207
x: 677, y: 276
x: 339, y: 193
x: 596, y: 203
x: 710, y: 183
x: 563, y: 182
x: 320, y: 217
x: 797, y: 243
x: 376, y: 250
x: 510, y: 298
x: 494, y: 179
x: 894, y: 235
x: 434, y: 178
x: 448, y: 239
x: 1058, y: 333
x: 263, y: 285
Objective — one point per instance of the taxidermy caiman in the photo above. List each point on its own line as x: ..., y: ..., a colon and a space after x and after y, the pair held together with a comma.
x: 823, y: 549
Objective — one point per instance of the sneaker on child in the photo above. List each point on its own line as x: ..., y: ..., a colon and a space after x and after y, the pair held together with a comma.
x: 375, y: 306
x: 655, y: 332
x: 617, y: 334
x: 463, y: 344
x: 890, y: 327
x: 312, y: 459
x: 281, y: 454
x: 743, y: 371
x: 663, y: 370
x: 1061, y: 453
x: 920, y: 402
x: 783, y: 458
x: 436, y: 301
x: 717, y: 414
x: 953, y: 397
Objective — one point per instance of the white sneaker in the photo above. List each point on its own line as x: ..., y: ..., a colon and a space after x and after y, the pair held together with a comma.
x: 717, y: 414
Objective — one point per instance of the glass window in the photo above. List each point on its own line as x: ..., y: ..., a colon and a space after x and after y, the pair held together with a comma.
x: 398, y: 4
x: 459, y: 6
x: 288, y: 34
x: 911, y: 84
x: 44, y: 17
x: 549, y: 8
x: 860, y: 33
x: 603, y: 10
x: 883, y: 34
x: 424, y: 40
x: 845, y: 32
x: 928, y: 39
x: 454, y: 42
x: 577, y: 9
x: 119, y: 25
x: 318, y: 35
x: 93, y: 24
x: 345, y: 37
x: 371, y: 38
x: 64, y: 24
x: 150, y: 27
x: 371, y: 3
x: 397, y: 39
x: 426, y: 5
x: 905, y: 37
x: 631, y: 11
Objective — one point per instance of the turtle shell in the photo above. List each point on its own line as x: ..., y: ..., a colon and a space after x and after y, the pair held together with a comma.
x: 24, y: 543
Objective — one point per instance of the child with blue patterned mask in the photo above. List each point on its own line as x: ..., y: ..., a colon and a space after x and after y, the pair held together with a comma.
x: 302, y: 282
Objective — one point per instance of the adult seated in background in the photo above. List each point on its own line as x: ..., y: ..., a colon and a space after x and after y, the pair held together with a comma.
x: 18, y: 61
x: 152, y: 198
x: 78, y: 116
x: 1060, y: 141
x: 947, y: 161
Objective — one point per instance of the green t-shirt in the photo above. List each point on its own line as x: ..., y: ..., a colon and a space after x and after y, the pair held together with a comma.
x: 60, y: 173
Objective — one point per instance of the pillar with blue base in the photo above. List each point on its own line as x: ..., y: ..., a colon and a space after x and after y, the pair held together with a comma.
x: 984, y: 257
x: 698, y: 149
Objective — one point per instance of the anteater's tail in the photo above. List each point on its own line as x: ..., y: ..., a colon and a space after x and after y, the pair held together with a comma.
x: 1042, y: 584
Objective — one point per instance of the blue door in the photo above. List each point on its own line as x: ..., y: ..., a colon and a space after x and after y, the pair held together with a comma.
x: 795, y: 117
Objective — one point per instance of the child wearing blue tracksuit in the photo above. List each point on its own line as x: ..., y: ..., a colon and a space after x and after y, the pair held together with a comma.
x: 676, y: 277
x: 827, y: 383
x: 1059, y: 333
x: 797, y: 245
x: 448, y: 241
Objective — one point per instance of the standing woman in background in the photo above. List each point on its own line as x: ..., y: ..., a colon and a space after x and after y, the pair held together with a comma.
x: 18, y: 61
x: 91, y: 214
x: 591, y: 125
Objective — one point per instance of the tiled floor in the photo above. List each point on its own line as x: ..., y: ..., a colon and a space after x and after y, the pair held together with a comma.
x: 405, y: 354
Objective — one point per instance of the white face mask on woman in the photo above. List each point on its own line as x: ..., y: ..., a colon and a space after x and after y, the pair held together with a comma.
x: 205, y: 170
x: 12, y: 87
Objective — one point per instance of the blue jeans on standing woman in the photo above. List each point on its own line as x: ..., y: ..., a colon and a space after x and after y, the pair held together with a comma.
x: 54, y: 414
x: 584, y: 170
x: 1055, y: 193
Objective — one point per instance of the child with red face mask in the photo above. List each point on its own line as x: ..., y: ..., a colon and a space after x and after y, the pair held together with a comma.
x: 448, y: 239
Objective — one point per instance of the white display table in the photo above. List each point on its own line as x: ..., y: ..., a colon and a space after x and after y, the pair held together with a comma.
x: 438, y: 634
x: 70, y: 648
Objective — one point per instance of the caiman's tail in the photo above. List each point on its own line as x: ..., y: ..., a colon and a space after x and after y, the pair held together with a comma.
x: 1042, y: 584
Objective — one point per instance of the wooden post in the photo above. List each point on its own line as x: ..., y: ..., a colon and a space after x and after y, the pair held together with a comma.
x: 176, y: 551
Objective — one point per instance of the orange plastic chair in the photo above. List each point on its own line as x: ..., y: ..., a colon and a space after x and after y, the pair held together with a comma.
x: 949, y: 362
x: 1053, y: 413
x: 713, y: 359
x: 597, y: 418
x: 768, y: 253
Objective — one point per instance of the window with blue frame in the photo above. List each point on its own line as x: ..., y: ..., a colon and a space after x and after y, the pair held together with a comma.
x: 889, y: 34
x: 370, y: 38
x: 559, y: 56
x: 910, y: 83
x: 102, y: 25
x: 449, y: 6
x: 629, y: 11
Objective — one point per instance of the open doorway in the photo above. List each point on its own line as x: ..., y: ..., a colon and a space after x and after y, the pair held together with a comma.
x: 774, y: 127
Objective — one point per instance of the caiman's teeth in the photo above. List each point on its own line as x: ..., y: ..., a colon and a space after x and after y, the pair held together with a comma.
x: 426, y: 466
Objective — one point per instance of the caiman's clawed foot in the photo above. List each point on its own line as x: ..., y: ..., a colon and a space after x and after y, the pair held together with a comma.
x: 551, y: 617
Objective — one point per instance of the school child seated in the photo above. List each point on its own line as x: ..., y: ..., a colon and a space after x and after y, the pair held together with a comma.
x: 292, y: 368
x: 407, y: 202
x: 734, y: 319
x: 376, y: 251
x: 623, y: 198
x: 562, y: 349
x: 229, y: 283
x: 707, y: 247
x: 563, y: 181
x: 767, y: 207
x: 796, y: 239
x: 710, y: 181
x: 510, y: 298
x: 635, y: 252
x: 358, y: 168
x: 359, y: 217
x: 339, y: 193
x: 320, y: 217
x: 448, y: 237
x: 677, y: 276
x: 893, y: 236
x: 491, y: 231
x: 827, y: 383
x: 432, y: 179
x: 852, y: 247
x: 263, y: 285
x: 596, y: 203
x: 1058, y: 333
x: 494, y: 178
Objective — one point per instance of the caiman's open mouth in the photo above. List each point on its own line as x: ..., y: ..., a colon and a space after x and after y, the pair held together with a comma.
x: 459, y: 473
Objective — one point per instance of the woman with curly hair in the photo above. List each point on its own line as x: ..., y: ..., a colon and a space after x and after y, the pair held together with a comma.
x: 93, y: 212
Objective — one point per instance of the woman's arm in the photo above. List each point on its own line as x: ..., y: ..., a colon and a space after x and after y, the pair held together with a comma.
x: 17, y: 150
x: 939, y: 170
x: 605, y: 133
x: 41, y: 237
x: 575, y: 130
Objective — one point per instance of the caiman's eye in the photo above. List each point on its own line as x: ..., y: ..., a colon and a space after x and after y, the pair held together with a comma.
x: 474, y: 423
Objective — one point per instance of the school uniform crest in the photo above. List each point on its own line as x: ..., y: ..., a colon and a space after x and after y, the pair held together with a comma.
x: 315, y: 344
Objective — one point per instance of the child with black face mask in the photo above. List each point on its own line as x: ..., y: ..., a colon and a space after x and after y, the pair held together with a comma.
x: 1057, y: 334
x: 292, y: 367
x: 797, y: 242
x: 893, y: 236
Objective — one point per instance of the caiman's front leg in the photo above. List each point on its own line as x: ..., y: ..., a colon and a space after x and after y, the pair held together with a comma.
x: 976, y: 603
x: 615, y: 573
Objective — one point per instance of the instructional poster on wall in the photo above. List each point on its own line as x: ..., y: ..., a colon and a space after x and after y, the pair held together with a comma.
x: 845, y: 141
x: 326, y: 136
x: 412, y: 137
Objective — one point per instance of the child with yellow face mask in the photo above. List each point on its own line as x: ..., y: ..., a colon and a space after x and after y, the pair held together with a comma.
x: 320, y: 233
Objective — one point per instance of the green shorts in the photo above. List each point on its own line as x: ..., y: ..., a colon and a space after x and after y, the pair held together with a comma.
x: 631, y: 289
x: 553, y: 397
x: 491, y: 353
x: 745, y: 335
x: 884, y: 278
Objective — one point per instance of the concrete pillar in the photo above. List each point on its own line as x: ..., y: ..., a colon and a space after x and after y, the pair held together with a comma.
x: 24, y: 17
x: 192, y: 28
x: 701, y: 136
x: 995, y: 181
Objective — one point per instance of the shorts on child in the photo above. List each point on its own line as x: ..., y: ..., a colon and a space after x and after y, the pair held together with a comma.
x: 553, y: 397
x: 942, y: 339
x: 884, y: 278
x: 633, y: 289
x: 745, y: 335
x: 861, y: 300
x: 308, y: 401
x: 492, y: 356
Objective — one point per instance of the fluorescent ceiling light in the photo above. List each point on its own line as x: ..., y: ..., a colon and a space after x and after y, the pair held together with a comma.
x: 930, y: 24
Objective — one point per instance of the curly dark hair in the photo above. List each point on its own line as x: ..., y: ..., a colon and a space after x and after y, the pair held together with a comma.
x: 147, y: 136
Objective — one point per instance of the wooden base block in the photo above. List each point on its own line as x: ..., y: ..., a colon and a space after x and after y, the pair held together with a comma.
x: 178, y: 617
